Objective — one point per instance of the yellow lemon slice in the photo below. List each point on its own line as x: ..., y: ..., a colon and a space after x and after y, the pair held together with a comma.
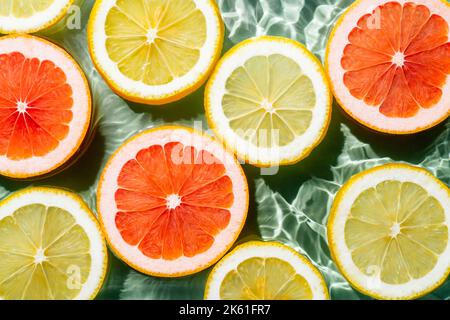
x: 155, y: 51
x: 26, y: 16
x: 269, y: 101
x: 388, y: 231
x: 259, y: 270
x: 51, y: 247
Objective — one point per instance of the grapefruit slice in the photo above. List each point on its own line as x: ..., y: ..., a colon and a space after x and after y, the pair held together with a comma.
x: 172, y: 201
x: 388, y: 231
x: 389, y: 64
x: 51, y: 247
x: 259, y: 270
x: 26, y: 16
x: 155, y: 52
x: 45, y: 106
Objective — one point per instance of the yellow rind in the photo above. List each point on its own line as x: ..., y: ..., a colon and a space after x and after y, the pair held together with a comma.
x: 161, y: 99
x: 331, y: 220
x: 246, y: 157
x: 9, y: 174
x: 162, y: 274
x: 265, y: 244
x: 347, y: 110
x: 79, y: 199
x: 44, y: 26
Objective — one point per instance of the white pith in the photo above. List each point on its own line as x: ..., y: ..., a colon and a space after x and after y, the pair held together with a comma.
x: 370, y: 115
x: 245, y: 149
x: 69, y: 202
x: 33, y: 47
x: 140, y: 89
x: 36, y: 21
x: 373, y: 284
x: 108, y: 208
x: 269, y: 250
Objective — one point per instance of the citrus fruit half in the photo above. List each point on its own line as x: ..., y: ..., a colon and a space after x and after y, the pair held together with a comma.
x: 172, y: 201
x: 269, y: 100
x: 26, y: 16
x: 45, y: 106
x: 155, y: 52
x: 389, y: 64
x: 259, y: 270
x: 388, y: 231
x: 51, y: 247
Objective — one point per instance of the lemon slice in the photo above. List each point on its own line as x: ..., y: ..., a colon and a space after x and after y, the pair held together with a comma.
x: 265, y: 271
x: 388, y: 231
x: 269, y: 100
x: 157, y: 51
x: 26, y: 16
x: 51, y: 247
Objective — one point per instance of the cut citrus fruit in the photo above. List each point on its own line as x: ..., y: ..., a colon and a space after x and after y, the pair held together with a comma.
x: 265, y: 271
x: 172, y: 201
x: 45, y: 106
x: 51, y: 247
x: 389, y: 64
x: 26, y: 16
x: 388, y: 231
x: 268, y: 99
x: 155, y: 51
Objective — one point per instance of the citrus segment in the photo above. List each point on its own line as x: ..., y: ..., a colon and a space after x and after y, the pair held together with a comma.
x: 269, y: 100
x: 389, y: 227
x: 155, y: 51
x: 265, y: 271
x: 172, y: 201
x: 50, y: 247
x: 26, y: 16
x: 45, y: 106
x: 394, y: 49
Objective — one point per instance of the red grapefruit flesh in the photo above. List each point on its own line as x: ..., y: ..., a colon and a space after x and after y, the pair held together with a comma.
x: 172, y: 201
x: 45, y: 106
x: 389, y: 62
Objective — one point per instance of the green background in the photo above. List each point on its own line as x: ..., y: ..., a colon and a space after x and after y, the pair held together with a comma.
x: 291, y: 206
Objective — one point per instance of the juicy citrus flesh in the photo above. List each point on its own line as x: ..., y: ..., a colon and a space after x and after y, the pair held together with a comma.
x: 396, y: 231
x: 23, y: 8
x: 155, y: 41
x: 44, y: 254
x: 173, y: 199
x: 269, y: 101
x: 265, y: 279
x: 35, y: 106
x: 398, y: 51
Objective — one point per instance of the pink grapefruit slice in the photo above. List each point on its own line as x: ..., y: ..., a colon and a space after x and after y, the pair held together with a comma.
x: 172, y: 201
x: 389, y: 64
x: 45, y: 106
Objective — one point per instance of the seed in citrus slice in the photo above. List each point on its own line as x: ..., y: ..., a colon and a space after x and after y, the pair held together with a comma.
x: 388, y: 231
x: 27, y: 16
x: 269, y: 100
x: 155, y: 52
x: 45, y: 106
x: 259, y: 270
x: 51, y: 247
x: 172, y: 201
x: 389, y: 64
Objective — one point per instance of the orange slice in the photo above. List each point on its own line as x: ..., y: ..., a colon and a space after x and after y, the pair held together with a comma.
x: 172, y: 201
x: 389, y: 62
x: 45, y: 106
